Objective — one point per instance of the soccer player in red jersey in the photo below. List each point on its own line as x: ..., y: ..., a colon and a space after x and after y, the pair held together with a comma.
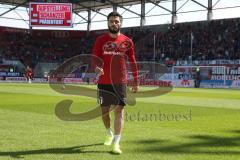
x: 114, y: 49
x: 29, y: 74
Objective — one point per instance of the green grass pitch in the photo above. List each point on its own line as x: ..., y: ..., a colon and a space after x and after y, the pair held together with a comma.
x: 184, y: 124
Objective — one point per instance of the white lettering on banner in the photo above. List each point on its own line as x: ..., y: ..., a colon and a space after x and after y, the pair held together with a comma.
x: 232, y: 70
x: 51, y: 15
x: 220, y: 73
x: 218, y: 70
x: 50, y: 21
x: 222, y: 62
x: 53, y: 8
x: 227, y: 77
x: 23, y: 79
x: 217, y: 77
x: 16, y: 79
x: 212, y: 62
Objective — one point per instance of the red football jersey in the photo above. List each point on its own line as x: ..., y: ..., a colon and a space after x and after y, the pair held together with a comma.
x: 29, y: 73
x: 112, y: 54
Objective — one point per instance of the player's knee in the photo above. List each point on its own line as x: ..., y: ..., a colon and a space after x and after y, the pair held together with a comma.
x: 105, y: 110
x: 119, y: 111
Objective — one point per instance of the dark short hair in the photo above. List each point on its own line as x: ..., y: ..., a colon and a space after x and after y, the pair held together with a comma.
x: 114, y: 14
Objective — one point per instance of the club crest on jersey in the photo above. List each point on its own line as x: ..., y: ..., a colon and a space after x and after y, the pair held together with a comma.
x: 124, y: 46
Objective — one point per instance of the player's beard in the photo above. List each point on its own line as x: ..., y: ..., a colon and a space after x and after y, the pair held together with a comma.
x: 113, y: 30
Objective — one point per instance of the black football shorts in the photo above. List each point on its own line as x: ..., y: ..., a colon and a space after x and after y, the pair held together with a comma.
x: 112, y: 94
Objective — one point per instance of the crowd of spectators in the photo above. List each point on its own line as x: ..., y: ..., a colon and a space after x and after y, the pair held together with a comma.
x: 31, y: 48
x: 218, y: 39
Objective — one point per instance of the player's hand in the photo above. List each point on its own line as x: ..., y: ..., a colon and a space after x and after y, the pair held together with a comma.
x: 135, y: 88
x: 99, y: 71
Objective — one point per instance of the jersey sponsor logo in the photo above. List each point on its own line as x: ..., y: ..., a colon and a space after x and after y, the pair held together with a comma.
x: 113, y: 53
x: 112, y: 48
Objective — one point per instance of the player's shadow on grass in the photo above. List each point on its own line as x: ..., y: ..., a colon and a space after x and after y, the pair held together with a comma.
x: 199, y: 144
x: 68, y: 150
x: 235, y: 131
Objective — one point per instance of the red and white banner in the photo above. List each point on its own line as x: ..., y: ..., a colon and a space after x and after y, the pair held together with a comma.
x: 50, y: 14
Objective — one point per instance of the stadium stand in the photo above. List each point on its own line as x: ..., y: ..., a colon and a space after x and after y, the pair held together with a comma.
x: 218, y: 39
